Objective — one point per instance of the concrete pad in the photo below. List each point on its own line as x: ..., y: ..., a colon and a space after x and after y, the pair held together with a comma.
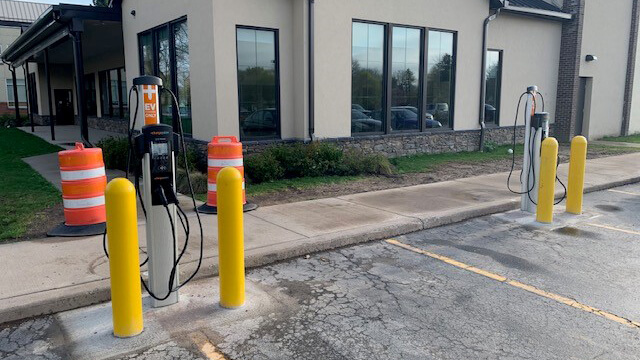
x: 89, y: 331
x: 317, y: 217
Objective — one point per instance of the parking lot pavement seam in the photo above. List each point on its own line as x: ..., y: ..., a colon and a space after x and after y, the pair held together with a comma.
x: 514, y: 283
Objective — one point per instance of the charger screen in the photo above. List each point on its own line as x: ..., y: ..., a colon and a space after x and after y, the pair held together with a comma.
x: 159, y: 149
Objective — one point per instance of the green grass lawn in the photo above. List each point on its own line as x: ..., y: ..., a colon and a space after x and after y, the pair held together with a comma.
x: 425, y: 162
x: 635, y: 138
x: 23, y: 192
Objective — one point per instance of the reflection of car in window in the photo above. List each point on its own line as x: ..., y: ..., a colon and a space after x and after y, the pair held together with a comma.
x: 360, y: 108
x: 361, y: 122
x: 440, y: 111
x: 260, y: 120
x: 406, y: 118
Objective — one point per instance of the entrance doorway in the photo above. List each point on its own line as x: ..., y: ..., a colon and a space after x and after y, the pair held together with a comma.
x: 64, y: 106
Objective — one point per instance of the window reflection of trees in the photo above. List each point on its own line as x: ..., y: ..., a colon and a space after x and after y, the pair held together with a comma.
x: 257, y: 83
x: 440, y: 76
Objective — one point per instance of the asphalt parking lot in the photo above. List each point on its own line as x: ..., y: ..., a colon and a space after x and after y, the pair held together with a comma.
x: 496, y: 287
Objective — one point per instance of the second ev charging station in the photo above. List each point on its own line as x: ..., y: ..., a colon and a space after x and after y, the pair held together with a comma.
x: 155, y: 147
x: 536, y: 130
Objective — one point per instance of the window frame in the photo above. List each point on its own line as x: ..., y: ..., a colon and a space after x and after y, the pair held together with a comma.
x: 496, y: 123
x: 454, y: 73
x: 170, y: 27
x: 107, y: 74
x: 276, y: 44
x: 10, y: 93
x: 386, y: 84
x: 422, y: 94
x: 422, y: 89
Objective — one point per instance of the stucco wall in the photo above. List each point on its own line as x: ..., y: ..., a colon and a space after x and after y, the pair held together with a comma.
x: 333, y: 53
x: 212, y: 38
x: 531, y: 54
x: 605, y: 35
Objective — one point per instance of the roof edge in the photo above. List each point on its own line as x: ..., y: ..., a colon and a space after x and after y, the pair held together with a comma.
x: 547, y: 14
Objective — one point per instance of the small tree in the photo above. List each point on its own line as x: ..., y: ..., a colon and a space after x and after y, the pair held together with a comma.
x: 102, y: 3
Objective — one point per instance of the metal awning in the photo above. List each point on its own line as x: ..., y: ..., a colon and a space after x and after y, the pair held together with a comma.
x: 53, y: 26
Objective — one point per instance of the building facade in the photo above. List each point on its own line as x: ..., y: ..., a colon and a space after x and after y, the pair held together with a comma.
x: 14, y: 16
x: 395, y: 77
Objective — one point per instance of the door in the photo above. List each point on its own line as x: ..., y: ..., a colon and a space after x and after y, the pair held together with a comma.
x: 583, y: 107
x: 64, y: 106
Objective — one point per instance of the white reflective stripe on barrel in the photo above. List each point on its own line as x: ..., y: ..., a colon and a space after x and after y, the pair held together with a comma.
x: 224, y: 162
x: 82, y: 174
x: 83, y: 203
x: 213, y: 188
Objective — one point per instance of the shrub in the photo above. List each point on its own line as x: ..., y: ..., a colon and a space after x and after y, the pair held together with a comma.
x: 198, y: 181
x: 7, y: 120
x: 114, y: 151
x: 316, y: 159
x: 262, y: 168
x: 490, y: 146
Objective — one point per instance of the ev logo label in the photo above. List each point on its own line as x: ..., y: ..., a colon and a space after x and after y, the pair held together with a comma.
x: 150, y: 104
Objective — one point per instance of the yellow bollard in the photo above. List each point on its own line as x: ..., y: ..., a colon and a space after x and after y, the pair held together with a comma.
x: 577, y: 165
x: 124, y: 260
x: 230, y: 238
x: 547, y: 189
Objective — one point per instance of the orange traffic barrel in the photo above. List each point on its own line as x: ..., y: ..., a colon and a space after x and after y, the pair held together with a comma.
x: 83, y: 183
x: 223, y: 151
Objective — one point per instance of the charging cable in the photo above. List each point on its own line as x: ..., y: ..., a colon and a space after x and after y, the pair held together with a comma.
x: 180, y: 212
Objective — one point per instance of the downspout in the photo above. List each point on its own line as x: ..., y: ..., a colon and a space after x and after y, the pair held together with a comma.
x: 483, y: 77
x: 311, y: 71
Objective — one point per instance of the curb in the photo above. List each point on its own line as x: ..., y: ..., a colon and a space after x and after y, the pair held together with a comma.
x: 81, y: 295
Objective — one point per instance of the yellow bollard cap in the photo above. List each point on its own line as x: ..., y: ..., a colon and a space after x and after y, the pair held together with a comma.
x: 120, y: 186
x: 228, y: 175
x: 550, y: 141
x: 579, y: 140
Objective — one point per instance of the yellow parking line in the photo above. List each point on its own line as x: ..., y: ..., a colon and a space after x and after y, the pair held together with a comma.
x: 530, y: 288
x: 206, y: 347
x: 613, y: 228
x: 624, y: 192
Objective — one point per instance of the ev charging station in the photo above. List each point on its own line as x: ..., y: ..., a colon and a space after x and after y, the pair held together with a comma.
x: 536, y: 130
x: 155, y: 147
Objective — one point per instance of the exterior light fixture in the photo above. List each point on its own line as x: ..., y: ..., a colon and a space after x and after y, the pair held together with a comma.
x: 590, y: 58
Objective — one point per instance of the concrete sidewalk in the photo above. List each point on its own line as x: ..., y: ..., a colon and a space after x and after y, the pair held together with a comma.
x: 55, y: 274
x: 68, y: 135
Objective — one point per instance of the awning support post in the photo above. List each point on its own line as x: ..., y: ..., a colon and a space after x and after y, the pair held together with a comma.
x: 78, y: 63
x: 27, y: 86
x: 47, y: 75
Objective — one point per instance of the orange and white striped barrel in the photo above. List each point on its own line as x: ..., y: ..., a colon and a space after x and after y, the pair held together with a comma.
x: 83, y: 183
x: 223, y: 151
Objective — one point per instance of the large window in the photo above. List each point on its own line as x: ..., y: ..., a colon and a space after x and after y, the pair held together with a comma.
x: 113, y: 93
x: 440, y: 76
x: 22, y: 93
x: 405, y: 78
x: 390, y: 68
x: 258, y: 83
x: 367, y: 88
x: 493, y: 75
x: 164, y: 52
